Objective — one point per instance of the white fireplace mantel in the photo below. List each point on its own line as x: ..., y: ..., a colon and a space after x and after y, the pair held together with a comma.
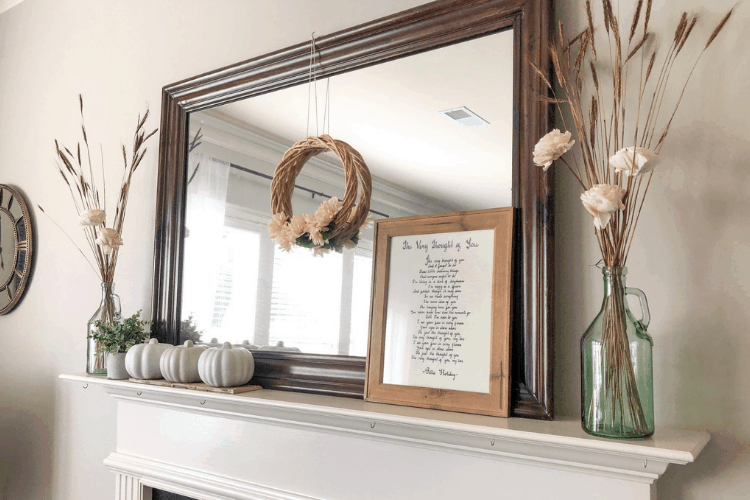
x: 292, y: 446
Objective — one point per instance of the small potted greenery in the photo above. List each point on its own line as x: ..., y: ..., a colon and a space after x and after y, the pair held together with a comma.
x: 115, y: 338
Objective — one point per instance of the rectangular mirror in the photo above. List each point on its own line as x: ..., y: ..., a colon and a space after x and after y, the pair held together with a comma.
x: 440, y: 102
x: 236, y: 287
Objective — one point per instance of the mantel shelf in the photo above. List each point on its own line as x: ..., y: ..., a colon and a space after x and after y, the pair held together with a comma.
x: 559, y: 444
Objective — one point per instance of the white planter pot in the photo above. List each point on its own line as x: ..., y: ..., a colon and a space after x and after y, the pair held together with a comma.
x: 116, y: 366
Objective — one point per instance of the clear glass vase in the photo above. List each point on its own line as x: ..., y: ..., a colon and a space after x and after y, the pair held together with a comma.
x: 617, y: 381
x: 109, y: 309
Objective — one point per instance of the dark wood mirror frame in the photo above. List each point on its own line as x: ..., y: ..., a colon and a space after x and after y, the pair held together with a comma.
x: 416, y: 30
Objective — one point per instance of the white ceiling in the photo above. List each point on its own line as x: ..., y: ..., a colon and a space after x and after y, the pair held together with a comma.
x: 389, y: 113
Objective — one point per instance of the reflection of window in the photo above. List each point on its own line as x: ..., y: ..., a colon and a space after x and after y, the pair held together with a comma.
x: 321, y: 304
x: 265, y: 295
x: 234, y: 299
x: 360, y: 322
x: 306, y: 300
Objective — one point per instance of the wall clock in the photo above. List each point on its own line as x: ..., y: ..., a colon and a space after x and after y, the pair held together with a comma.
x: 16, y: 247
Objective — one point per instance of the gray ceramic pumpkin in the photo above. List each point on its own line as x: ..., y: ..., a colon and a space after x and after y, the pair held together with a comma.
x: 142, y: 360
x: 226, y: 366
x: 180, y: 363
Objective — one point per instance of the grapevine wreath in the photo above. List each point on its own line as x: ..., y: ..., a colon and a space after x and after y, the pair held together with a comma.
x: 336, y: 224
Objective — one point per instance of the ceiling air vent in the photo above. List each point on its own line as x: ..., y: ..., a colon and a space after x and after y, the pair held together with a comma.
x: 464, y: 117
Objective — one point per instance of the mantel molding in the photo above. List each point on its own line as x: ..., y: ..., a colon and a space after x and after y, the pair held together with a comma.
x: 135, y: 472
x: 559, y: 444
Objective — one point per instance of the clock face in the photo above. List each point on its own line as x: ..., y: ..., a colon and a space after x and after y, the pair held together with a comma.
x: 15, y: 247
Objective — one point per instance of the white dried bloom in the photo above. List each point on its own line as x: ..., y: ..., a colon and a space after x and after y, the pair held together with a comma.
x: 313, y: 223
x: 551, y: 147
x: 633, y: 161
x: 297, y: 226
x: 316, y: 237
x: 602, y: 201
x: 108, y: 239
x: 314, y: 229
x: 328, y: 210
x: 91, y: 217
x: 285, y: 239
x: 281, y: 232
x: 349, y: 245
x: 277, y: 224
x: 320, y: 252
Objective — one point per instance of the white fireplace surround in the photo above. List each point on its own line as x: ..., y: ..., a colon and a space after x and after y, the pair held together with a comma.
x: 271, y: 445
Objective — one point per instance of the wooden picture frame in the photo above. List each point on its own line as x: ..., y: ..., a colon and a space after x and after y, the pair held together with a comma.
x: 436, y: 349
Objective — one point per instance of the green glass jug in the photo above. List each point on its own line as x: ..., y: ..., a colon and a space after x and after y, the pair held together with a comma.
x: 617, y: 381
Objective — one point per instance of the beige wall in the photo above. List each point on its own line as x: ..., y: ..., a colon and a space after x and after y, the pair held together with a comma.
x: 692, y: 259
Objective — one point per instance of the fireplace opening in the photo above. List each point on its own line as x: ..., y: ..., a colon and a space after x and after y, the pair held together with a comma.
x: 166, y: 495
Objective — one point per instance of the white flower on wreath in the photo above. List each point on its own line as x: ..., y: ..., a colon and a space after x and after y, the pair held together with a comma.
x: 551, y: 147
x: 314, y: 228
x: 286, y: 239
x: 327, y: 211
x: 320, y: 252
x: 91, y: 217
x: 280, y: 231
x: 276, y: 225
x: 602, y: 201
x: 633, y: 161
x: 108, y: 239
x: 297, y: 226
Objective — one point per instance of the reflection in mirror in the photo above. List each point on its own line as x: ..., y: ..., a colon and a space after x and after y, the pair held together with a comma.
x: 237, y: 287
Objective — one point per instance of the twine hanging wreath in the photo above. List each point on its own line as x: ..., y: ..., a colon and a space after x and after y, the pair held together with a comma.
x: 336, y: 224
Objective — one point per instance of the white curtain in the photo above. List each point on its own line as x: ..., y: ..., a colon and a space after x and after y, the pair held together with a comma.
x: 204, y: 221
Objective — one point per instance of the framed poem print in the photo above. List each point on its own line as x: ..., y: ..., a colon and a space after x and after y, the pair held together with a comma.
x: 440, y: 324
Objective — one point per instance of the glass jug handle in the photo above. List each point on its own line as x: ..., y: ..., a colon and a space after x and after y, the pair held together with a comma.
x: 646, y: 319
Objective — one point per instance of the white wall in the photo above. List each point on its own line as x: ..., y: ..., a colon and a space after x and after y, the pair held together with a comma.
x: 692, y: 260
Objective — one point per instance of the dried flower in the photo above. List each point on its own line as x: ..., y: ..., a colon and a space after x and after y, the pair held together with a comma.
x: 83, y: 181
x: 276, y: 225
x: 314, y: 229
x: 320, y: 252
x: 297, y: 226
x: 91, y: 217
x: 316, y: 237
x: 108, y: 239
x: 280, y: 231
x: 633, y: 161
x: 327, y: 211
x: 285, y: 239
x: 602, y: 201
x: 350, y: 245
x: 551, y: 147
x: 311, y: 228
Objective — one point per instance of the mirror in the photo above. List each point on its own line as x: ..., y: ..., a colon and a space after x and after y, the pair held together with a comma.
x: 409, y: 118
x: 216, y: 272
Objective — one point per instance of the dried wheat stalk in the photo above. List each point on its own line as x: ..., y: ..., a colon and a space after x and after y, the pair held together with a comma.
x: 78, y: 174
x: 603, y: 129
